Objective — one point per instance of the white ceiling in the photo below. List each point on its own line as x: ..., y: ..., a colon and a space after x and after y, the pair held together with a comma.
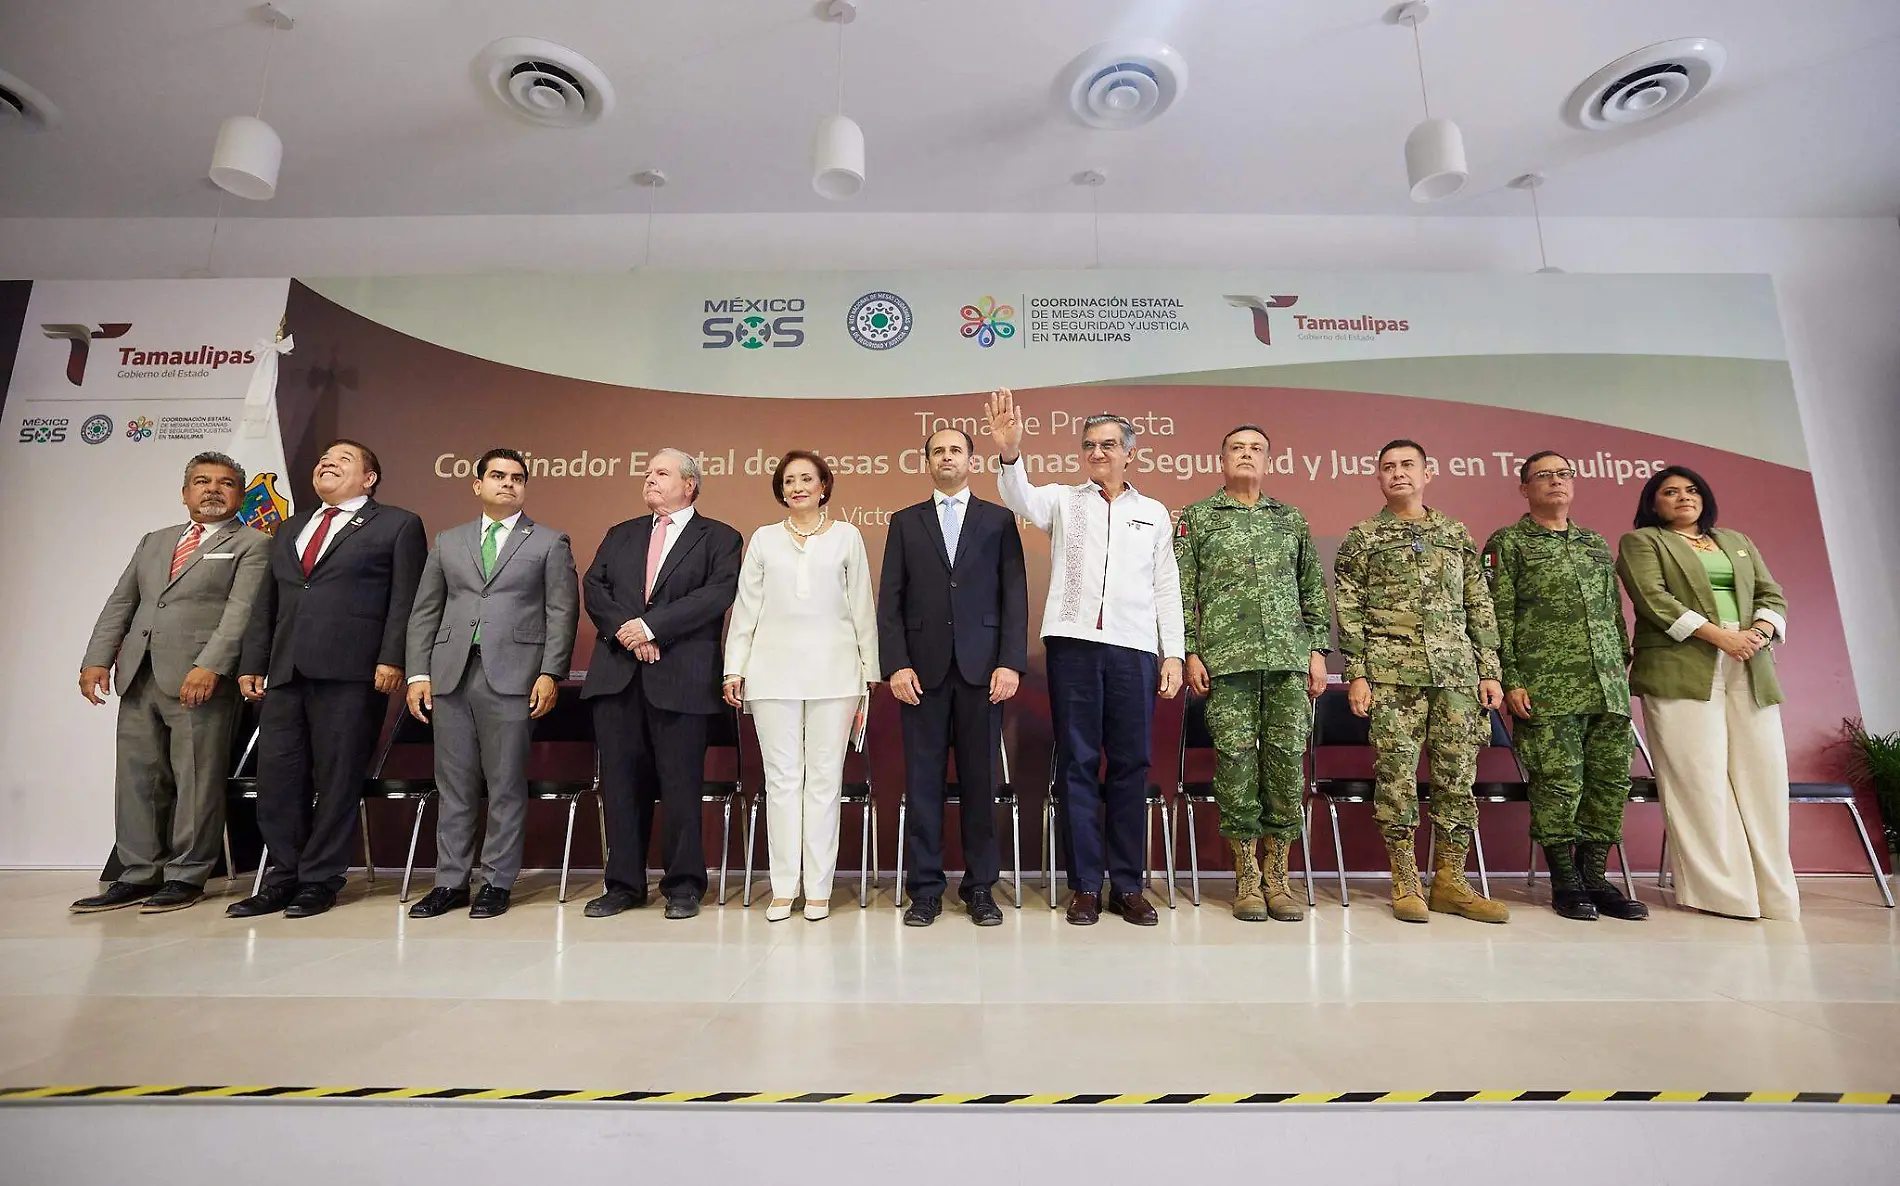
x: 1294, y: 107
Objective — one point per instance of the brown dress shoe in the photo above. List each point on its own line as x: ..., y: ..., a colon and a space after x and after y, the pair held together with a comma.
x: 1085, y: 909
x: 1135, y: 908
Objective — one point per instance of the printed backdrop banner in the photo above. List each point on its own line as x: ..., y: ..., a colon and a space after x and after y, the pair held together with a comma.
x: 589, y: 375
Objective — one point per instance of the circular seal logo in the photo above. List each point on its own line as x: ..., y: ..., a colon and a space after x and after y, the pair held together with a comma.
x: 878, y: 320
x: 96, y: 429
x: 752, y: 332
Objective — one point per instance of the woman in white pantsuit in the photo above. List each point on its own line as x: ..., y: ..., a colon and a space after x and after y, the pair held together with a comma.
x: 1707, y: 610
x: 801, y: 654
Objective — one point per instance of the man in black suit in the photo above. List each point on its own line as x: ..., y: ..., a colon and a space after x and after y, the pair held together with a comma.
x: 326, y: 639
x: 953, y: 622
x: 657, y: 593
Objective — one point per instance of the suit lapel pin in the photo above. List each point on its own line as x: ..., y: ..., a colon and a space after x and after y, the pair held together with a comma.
x: 357, y: 522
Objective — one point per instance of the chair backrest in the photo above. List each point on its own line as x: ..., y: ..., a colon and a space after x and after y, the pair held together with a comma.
x: 1334, y: 723
x: 725, y: 748
x: 404, y: 731
x: 570, y: 721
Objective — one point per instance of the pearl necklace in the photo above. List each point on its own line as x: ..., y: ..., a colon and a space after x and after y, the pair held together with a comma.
x: 824, y: 516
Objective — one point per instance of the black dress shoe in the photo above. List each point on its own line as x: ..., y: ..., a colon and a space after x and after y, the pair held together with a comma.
x: 116, y: 896
x: 310, y: 901
x: 1085, y: 909
x: 491, y: 901
x: 682, y: 906
x: 922, y: 911
x: 173, y: 895
x: 270, y: 900
x: 440, y: 901
x: 983, y: 909
x: 613, y: 902
x: 1134, y: 907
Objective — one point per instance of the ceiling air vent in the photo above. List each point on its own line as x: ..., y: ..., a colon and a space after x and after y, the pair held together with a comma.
x: 24, y: 108
x: 544, y: 83
x: 1645, y: 84
x: 1116, y: 85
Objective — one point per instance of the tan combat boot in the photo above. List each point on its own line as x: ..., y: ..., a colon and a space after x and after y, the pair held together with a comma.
x: 1249, y: 906
x: 1408, y: 898
x: 1281, y: 903
x: 1452, y: 894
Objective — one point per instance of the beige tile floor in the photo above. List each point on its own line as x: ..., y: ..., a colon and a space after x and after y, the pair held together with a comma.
x: 1349, y: 1000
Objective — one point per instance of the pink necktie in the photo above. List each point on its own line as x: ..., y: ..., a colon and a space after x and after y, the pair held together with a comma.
x: 187, y: 544
x: 655, y: 544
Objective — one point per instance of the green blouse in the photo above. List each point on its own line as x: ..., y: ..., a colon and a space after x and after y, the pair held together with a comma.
x: 1721, y: 572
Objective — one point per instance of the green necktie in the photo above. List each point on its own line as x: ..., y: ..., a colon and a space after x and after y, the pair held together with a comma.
x: 488, y: 564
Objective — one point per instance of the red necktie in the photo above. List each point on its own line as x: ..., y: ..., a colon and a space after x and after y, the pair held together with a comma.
x: 314, y: 548
x: 187, y: 544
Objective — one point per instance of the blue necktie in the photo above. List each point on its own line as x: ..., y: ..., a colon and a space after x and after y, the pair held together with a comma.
x: 952, y: 527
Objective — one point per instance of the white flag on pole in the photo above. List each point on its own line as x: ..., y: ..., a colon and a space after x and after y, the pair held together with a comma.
x: 258, y: 443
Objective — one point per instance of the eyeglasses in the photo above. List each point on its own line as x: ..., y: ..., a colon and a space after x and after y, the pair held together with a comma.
x: 1100, y: 446
x: 1554, y: 475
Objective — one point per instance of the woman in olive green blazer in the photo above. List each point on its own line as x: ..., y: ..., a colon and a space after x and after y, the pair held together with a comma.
x: 1707, y: 610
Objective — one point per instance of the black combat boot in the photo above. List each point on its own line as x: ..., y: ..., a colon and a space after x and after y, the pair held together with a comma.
x: 1592, y: 861
x: 1567, y: 895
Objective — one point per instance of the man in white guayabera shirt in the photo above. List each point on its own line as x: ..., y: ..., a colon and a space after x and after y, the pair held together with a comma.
x: 1113, y: 615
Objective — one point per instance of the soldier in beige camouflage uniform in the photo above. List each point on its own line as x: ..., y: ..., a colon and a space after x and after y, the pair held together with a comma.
x: 1420, y: 641
x: 1257, y: 630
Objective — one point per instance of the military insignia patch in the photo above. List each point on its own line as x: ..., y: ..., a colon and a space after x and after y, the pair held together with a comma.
x: 264, y: 508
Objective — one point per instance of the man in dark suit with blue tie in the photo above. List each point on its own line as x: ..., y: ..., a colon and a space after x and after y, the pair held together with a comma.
x: 657, y: 593
x: 324, y: 649
x: 953, y: 623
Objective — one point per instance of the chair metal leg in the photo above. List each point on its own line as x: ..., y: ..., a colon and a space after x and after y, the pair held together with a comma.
x: 864, y: 856
x: 1306, y: 853
x: 409, y: 863
x: 1148, y: 847
x: 1194, y: 853
x: 1867, y: 845
x: 1623, y: 863
x: 567, y: 846
x: 263, y: 862
x: 751, y: 840
x: 725, y: 844
x: 1339, y: 851
x: 1484, y: 879
x: 1662, y: 862
x: 1016, y: 847
x: 1530, y: 870
x: 1167, y: 846
x: 362, y: 819
x: 1049, y: 851
x: 876, y: 847
x: 230, y: 862
x: 903, y: 823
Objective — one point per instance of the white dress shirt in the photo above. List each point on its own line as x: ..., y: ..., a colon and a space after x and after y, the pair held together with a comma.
x: 1110, y: 563
x: 804, y: 626
x: 349, y: 507
x: 679, y: 520
x: 210, y: 529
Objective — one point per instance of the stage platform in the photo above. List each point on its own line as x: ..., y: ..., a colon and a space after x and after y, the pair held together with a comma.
x: 1348, y: 1001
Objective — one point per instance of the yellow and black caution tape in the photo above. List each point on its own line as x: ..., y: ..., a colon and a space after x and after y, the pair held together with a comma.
x: 934, y: 1100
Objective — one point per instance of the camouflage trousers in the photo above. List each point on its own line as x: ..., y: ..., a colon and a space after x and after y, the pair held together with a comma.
x: 1259, y: 721
x: 1450, y: 725
x: 1579, y: 768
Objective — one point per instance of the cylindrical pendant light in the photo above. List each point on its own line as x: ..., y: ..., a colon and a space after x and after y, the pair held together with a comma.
x: 837, y: 146
x: 249, y: 152
x: 1435, y: 151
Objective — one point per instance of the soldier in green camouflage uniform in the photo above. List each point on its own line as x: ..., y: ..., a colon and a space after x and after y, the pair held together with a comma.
x: 1254, y: 601
x: 1564, y: 648
x: 1416, y: 628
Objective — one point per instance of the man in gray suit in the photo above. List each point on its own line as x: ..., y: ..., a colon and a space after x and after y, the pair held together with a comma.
x: 489, y: 639
x: 173, y: 627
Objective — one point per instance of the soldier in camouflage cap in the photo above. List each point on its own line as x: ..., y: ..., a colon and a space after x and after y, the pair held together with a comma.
x: 1255, y: 607
x: 1564, y: 649
x: 1416, y: 628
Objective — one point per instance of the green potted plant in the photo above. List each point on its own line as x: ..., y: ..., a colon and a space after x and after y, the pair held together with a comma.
x: 1874, y: 759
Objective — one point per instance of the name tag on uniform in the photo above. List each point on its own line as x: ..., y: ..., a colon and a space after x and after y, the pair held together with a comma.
x: 219, y: 556
x: 1140, y: 523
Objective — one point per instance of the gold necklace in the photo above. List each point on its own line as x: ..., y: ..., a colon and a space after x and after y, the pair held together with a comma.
x: 824, y: 516
x: 1698, y: 541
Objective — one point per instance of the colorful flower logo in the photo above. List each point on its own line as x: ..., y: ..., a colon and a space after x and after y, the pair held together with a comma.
x: 987, y: 321
x: 139, y: 428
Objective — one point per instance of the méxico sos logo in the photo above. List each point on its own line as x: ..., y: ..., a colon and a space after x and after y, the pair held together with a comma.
x: 40, y: 431
x: 753, y: 323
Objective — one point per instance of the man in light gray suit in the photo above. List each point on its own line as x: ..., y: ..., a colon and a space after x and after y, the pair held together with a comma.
x: 489, y: 640
x: 173, y: 627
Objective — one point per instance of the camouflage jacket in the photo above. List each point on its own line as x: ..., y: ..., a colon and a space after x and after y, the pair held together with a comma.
x: 1413, y: 605
x: 1561, y: 633
x: 1251, y: 589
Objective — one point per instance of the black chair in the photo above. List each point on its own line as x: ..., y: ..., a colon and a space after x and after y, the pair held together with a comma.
x: 242, y: 785
x: 1195, y: 736
x: 420, y: 789
x: 1798, y: 793
x: 722, y: 734
x: 569, y: 722
x: 1005, y: 797
x: 1157, y: 808
x: 856, y: 792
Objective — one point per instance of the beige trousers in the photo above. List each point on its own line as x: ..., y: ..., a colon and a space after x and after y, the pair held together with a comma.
x: 1722, y: 767
x: 802, y: 745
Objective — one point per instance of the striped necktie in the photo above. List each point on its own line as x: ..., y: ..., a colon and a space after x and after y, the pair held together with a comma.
x: 187, y: 544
